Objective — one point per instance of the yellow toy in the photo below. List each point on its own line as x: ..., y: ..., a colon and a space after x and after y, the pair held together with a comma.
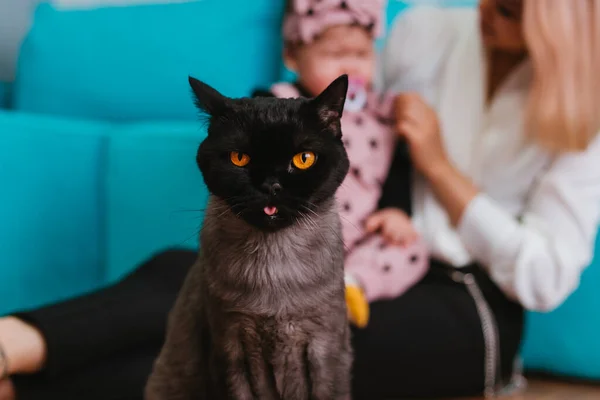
x: 357, y: 304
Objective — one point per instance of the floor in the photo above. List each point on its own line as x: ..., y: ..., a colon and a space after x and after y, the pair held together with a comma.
x: 549, y: 390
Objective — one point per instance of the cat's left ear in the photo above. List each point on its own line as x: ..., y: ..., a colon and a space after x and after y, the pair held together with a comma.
x: 330, y: 103
x: 208, y: 99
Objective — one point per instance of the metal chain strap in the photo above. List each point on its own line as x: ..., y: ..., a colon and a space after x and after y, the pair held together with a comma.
x: 490, y: 332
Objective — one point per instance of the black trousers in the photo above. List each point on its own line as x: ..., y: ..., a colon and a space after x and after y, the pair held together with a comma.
x: 427, y: 343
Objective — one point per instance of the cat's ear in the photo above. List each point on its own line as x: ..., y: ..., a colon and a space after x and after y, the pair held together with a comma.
x: 330, y: 103
x: 208, y: 99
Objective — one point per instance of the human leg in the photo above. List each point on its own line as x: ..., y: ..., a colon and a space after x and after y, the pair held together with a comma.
x: 121, y: 377
x: 429, y: 342
x: 114, y: 320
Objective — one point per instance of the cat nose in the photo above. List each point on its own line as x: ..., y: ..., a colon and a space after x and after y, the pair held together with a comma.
x: 272, y: 188
x: 275, y: 189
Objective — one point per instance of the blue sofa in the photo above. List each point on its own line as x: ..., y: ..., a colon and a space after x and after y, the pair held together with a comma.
x: 97, y: 150
x: 97, y: 153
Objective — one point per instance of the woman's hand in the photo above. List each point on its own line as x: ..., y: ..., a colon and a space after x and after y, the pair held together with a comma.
x: 418, y: 124
x: 395, y: 226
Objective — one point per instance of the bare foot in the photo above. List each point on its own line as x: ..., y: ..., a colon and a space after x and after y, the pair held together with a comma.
x: 23, y: 346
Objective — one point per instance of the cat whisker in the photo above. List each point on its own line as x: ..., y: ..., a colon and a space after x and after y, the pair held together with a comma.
x: 186, y: 211
x: 310, y: 210
x: 195, y: 234
x: 350, y: 222
x: 306, y: 203
x: 309, y: 223
x: 223, y: 213
x: 341, y: 216
x: 333, y: 230
x: 303, y: 222
x: 318, y: 228
x: 234, y: 198
x: 338, y: 235
x: 201, y: 213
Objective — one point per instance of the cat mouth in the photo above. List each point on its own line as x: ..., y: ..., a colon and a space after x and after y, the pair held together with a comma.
x: 270, y: 210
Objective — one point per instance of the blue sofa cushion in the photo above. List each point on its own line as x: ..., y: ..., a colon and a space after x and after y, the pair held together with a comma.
x: 155, y: 193
x: 567, y: 340
x: 130, y: 63
x: 51, y: 230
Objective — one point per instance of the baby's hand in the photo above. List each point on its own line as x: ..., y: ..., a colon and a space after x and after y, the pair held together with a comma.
x: 395, y: 226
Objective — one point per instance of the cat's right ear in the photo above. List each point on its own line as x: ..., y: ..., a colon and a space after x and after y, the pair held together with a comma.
x: 330, y: 103
x: 208, y: 99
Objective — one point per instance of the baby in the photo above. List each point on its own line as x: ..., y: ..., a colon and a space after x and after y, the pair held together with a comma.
x: 323, y: 40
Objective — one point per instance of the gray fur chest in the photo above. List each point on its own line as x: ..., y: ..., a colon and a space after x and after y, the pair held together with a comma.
x: 285, y: 272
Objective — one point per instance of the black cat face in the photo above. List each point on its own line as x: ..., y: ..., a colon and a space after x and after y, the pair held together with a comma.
x: 274, y: 161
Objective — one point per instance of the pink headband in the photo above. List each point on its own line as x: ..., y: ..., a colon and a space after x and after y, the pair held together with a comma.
x: 311, y: 17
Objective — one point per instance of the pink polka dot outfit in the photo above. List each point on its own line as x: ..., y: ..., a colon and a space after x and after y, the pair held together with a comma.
x: 382, y: 270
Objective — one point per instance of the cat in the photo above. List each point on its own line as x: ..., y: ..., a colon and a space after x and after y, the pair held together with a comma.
x: 262, y: 313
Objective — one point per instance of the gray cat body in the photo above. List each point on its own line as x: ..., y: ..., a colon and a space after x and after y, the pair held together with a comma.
x: 262, y: 314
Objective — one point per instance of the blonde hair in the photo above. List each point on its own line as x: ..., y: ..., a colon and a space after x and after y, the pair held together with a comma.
x: 563, y: 38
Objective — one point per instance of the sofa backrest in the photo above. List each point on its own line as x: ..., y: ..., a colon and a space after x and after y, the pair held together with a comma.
x: 130, y: 63
x: 51, y: 230
x: 84, y: 202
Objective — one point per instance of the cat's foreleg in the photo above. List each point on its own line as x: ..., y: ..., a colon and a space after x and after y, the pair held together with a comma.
x: 238, y: 384
x: 321, y: 368
x: 260, y: 371
x: 291, y: 371
x: 329, y: 368
x: 249, y: 374
x: 344, y: 368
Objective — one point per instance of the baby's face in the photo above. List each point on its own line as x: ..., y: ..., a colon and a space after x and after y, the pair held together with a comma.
x: 339, y: 50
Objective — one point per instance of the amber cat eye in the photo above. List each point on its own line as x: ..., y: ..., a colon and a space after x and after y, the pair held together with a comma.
x: 239, y: 159
x: 304, y: 160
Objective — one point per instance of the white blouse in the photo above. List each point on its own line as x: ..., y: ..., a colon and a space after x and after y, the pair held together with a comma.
x: 535, y: 221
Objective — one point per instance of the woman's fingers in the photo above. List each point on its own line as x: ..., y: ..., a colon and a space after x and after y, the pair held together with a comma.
x: 412, y: 109
x: 406, y: 98
x: 409, y: 104
x: 408, y: 130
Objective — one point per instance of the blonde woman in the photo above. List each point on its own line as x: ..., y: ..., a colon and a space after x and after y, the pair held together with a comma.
x: 500, y: 110
x: 502, y: 126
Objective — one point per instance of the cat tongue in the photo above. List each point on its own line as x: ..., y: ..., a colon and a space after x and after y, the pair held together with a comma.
x: 270, y: 210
